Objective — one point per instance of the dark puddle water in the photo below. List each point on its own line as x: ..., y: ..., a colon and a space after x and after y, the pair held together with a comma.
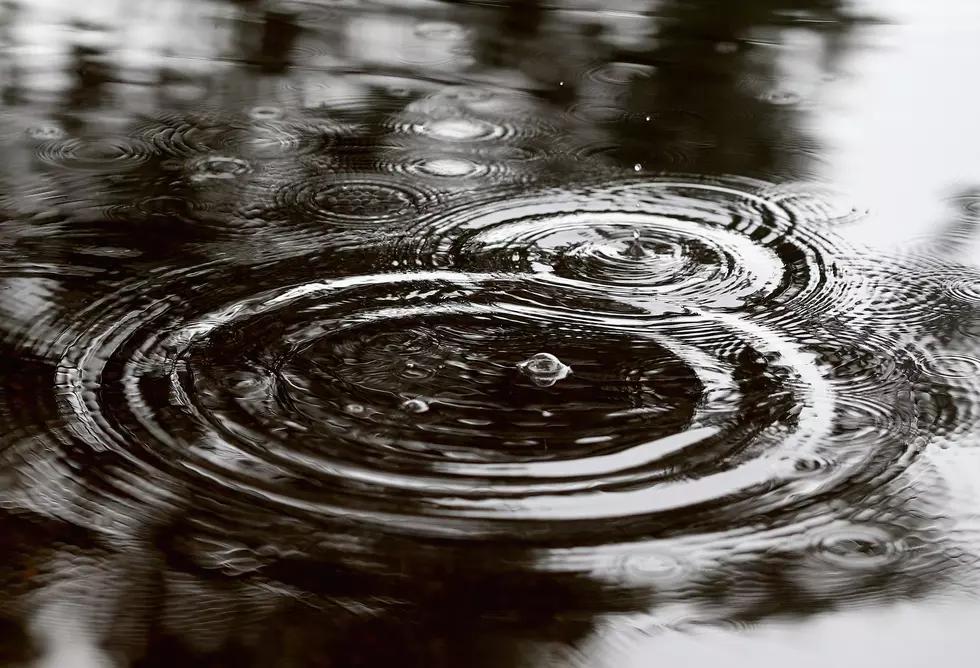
x: 503, y: 334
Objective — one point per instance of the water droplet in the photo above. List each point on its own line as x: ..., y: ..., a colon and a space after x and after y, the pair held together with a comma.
x: 415, y: 406
x: 635, y: 248
x: 544, y: 369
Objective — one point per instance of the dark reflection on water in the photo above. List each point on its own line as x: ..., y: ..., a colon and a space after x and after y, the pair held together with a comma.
x: 502, y: 334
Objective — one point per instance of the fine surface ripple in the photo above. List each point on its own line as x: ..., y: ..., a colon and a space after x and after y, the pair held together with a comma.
x: 661, y: 353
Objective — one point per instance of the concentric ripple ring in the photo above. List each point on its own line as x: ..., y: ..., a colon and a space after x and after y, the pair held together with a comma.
x: 716, y: 242
x: 296, y: 399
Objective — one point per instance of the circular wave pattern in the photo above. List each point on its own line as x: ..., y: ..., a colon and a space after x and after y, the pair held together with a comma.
x: 857, y: 547
x: 95, y: 154
x: 364, y: 201
x: 940, y: 293
x: 716, y: 243
x: 620, y: 73
x: 450, y: 167
x: 442, y: 123
x: 966, y: 291
x: 596, y: 113
x: 968, y: 202
x: 817, y: 204
x: 409, y: 398
x: 454, y: 168
x: 182, y: 137
x: 274, y: 138
x: 659, y: 356
x: 457, y: 129
x: 954, y: 367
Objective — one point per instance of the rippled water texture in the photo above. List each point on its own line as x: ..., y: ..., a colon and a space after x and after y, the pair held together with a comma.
x: 447, y: 340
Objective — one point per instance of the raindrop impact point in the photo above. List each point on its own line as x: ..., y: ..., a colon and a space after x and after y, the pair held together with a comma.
x: 544, y: 369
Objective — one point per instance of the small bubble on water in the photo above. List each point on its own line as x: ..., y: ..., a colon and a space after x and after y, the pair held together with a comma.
x: 354, y: 409
x: 544, y: 369
x: 414, y: 406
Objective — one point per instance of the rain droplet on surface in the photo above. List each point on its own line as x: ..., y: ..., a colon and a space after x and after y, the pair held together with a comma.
x: 415, y: 406
x: 544, y: 369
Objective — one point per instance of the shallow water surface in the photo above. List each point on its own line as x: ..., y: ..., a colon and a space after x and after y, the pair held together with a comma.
x: 489, y: 333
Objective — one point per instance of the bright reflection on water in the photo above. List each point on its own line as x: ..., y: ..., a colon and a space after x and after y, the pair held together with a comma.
x: 488, y: 333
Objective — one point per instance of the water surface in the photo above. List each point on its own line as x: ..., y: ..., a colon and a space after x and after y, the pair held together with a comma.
x: 488, y: 333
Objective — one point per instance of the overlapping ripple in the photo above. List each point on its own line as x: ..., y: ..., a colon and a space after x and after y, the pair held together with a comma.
x: 577, y: 366
x: 302, y: 394
x: 354, y: 200
x: 94, y: 153
x: 275, y: 138
x: 186, y: 136
x: 261, y: 133
x: 455, y: 168
x: 470, y: 116
x: 720, y: 243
